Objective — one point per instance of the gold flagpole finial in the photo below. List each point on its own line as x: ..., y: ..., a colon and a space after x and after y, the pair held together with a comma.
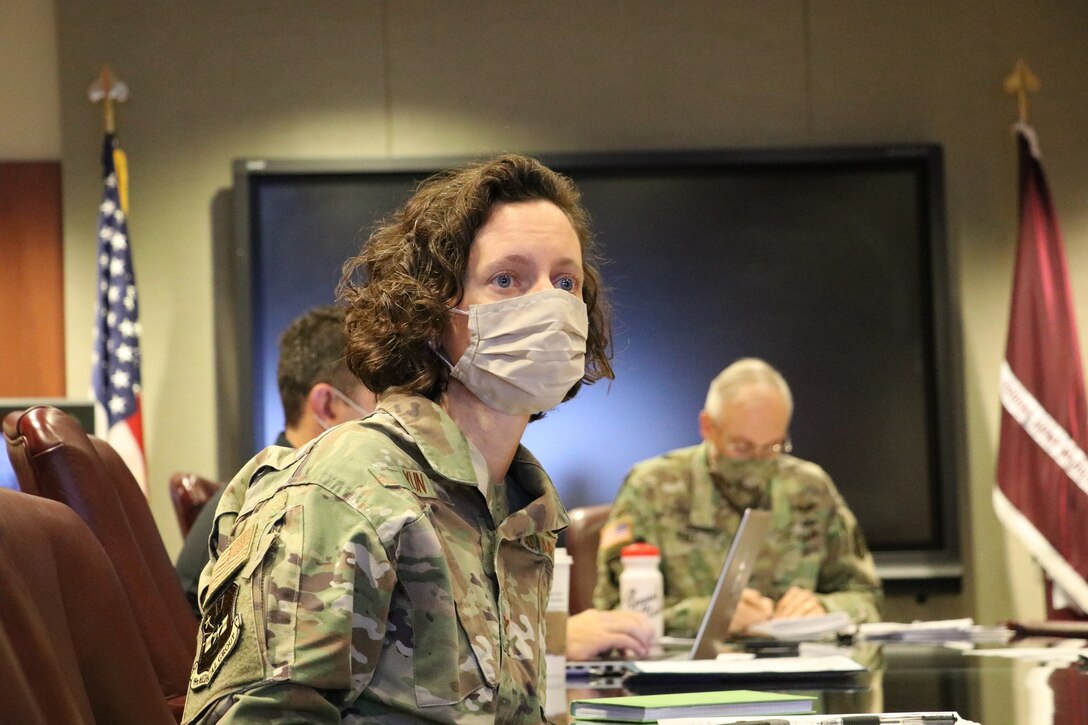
x: 1020, y: 83
x: 107, y: 89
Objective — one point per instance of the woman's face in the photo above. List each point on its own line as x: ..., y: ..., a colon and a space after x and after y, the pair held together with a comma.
x: 523, y: 247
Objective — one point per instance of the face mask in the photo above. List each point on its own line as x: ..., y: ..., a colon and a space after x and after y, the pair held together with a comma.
x: 524, y: 353
x: 347, y: 401
x: 750, y: 473
x: 363, y: 412
x: 748, y: 480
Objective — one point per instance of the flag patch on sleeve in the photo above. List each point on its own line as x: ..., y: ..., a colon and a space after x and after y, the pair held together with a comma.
x: 616, y: 533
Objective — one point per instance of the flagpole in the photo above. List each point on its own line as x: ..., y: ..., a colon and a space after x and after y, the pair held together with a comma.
x: 107, y: 89
x: 1020, y: 83
x: 115, y: 359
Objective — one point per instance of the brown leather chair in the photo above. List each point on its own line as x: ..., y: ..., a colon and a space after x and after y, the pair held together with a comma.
x: 53, y: 456
x: 190, y: 492
x: 70, y: 650
x: 582, y: 536
x: 146, y: 531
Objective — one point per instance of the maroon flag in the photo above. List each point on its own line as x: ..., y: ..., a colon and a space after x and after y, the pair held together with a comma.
x: 1042, y: 473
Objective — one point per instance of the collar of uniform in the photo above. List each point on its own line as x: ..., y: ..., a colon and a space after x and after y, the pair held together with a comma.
x: 703, y: 505
x: 439, y: 439
x: 544, y: 512
x: 448, y: 452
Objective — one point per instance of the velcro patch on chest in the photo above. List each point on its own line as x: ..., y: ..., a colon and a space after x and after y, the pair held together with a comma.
x: 415, y: 481
x: 219, y: 633
x: 236, y: 555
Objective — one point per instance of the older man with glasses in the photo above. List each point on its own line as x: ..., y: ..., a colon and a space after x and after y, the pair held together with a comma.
x: 689, y: 503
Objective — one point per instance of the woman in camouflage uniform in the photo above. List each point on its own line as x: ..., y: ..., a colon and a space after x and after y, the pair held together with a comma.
x: 397, y: 569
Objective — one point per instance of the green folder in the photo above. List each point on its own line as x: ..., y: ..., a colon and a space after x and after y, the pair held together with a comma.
x: 725, y: 703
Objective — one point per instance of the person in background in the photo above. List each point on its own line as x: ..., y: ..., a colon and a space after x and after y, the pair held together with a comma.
x: 689, y: 503
x: 397, y: 568
x: 317, y: 391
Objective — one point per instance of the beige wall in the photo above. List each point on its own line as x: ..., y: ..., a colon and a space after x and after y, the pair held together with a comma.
x: 30, y: 112
x: 216, y: 81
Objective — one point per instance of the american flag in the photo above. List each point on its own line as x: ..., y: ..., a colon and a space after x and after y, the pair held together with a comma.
x: 116, y: 356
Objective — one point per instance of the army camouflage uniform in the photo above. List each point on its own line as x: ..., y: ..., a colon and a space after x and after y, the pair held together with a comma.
x: 369, y: 578
x: 674, y: 502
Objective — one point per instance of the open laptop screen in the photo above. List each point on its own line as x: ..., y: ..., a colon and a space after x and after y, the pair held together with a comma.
x: 734, y: 577
x: 732, y: 580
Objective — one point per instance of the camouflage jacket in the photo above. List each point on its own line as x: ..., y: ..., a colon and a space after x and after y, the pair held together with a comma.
x: 674, y: 502
x: 369, y: 577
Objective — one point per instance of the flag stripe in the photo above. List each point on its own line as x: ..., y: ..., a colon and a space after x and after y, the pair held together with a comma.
x: 1043, y: 429
x: 1055, y: 565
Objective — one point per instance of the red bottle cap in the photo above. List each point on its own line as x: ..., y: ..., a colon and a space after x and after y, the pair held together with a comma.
x: 639, y: 549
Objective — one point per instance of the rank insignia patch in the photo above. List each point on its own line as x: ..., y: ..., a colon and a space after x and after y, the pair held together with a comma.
x: 219, y: 632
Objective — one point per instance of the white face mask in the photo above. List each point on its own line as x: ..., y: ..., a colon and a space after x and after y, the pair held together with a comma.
x: 363, y: 412
x: 524, y: 353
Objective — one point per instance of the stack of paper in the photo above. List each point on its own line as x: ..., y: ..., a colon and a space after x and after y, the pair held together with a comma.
x: 652, y: 708
x: 935, y: 632
x: 804, y: 629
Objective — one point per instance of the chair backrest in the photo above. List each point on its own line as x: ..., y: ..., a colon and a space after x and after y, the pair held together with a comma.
x: 146, y: 531
x: 582, y: 537
x: 190, y: 492
x: 70, y: 650
x: 52, y: 455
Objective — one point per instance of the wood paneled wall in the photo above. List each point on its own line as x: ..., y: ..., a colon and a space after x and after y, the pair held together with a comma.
x: 31, y: 280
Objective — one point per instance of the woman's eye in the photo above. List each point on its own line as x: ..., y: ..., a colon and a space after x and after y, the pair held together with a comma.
x: 566, y: 284
x: 505, y: 281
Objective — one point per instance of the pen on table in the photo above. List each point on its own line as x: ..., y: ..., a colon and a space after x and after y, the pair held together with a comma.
x: 878, y: 720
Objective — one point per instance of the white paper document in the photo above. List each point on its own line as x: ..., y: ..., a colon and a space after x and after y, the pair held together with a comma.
x: 925, y: 718
x: 937, y: 631
x: 804, y: 628
x: 759, y: 665
x: 1042, y: 654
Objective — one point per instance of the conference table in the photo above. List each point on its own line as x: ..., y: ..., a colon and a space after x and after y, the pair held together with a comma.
x: 990, y: 690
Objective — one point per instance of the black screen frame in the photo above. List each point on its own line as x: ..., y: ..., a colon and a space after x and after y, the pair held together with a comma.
x: 939, y: 564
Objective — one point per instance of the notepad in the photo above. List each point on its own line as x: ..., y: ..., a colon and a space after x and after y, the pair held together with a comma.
x: 650, y: 708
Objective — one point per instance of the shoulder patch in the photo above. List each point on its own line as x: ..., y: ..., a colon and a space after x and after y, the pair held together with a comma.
x: 616, y: 533
x: 236, y: 555
x: 219, y: 632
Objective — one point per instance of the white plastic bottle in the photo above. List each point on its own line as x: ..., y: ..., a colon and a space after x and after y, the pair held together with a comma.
x: 642, y: 588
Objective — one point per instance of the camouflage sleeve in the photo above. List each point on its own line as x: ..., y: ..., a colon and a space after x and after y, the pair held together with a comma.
x: 631, y: 519
x: 848, y: 581
x: 301, y: 611
x: 682, y: 618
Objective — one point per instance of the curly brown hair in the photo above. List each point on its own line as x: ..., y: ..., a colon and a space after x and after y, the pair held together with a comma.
x: 398, y: 289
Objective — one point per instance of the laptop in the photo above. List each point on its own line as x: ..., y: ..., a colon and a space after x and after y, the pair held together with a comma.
x: 737, y: 570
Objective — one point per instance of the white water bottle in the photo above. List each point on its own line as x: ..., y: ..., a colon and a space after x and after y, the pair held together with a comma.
x: 642, y: 588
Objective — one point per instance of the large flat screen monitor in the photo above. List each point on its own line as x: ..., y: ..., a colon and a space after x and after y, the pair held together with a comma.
x: 828, y: 263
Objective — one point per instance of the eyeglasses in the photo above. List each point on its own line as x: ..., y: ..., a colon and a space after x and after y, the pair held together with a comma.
x: 744, y: 449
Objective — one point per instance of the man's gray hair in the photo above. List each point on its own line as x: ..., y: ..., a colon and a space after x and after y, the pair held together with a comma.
x: 745, y: 371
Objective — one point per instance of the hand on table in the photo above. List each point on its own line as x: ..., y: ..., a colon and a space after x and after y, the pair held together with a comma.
x: 798, y: 602
x: 593, y: 632
x: 752, y: 608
